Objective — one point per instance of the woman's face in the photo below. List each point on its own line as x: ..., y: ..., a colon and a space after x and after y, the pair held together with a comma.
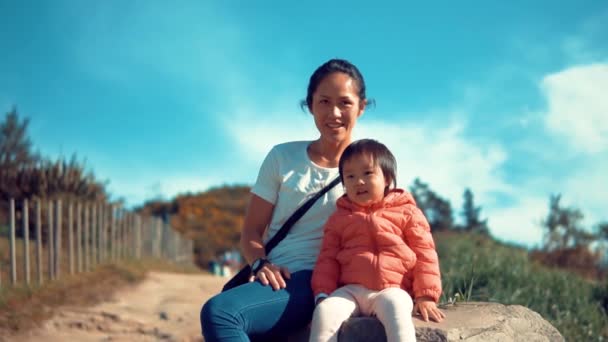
x: 336, y: 106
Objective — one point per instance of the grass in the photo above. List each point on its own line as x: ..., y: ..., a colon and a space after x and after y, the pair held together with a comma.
x: 477, y: 268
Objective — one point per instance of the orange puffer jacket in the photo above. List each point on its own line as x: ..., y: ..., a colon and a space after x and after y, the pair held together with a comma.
x: 386, y: 245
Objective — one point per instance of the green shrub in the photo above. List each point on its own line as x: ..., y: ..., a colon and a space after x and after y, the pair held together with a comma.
x: 480, y: 269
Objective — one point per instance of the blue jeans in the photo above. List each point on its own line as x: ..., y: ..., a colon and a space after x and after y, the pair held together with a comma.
x: 258, y: 312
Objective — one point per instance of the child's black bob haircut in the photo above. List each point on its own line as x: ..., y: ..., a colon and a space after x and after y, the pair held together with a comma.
x: 379, y: 153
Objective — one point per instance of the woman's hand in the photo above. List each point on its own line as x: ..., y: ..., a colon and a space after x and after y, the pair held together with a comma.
x: 272, y: 274
x: 427, y: 308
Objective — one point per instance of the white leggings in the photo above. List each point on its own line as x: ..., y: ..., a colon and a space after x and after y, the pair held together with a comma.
x: 392, y: 306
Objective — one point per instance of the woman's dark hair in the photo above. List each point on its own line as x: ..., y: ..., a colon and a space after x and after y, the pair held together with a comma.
x: 379, y: 153
x: 329, y: 67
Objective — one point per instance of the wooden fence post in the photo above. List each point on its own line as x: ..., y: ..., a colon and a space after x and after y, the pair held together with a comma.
x: 138, y: 236
x: 124, y: 234
x: 86, y: 238
x: 161, y: 238
x: 79, y: 256
x: 157, y: 237
x: 117, y: 231
x: 94, y: 230
x: 143, y: 222
x: 39, y: 240
x: 176, y: 244
x: 71, y: 236
x: 166, y: 246
x: 123, y: 231
x: 58, y: 249
x: 129, y: 250
x: 102, y: 229
x: 111, y: 242
x: 26, y: 241
x: 12, y: 243
x: 49, y: 243
x: 148, y: 236
x: 151, y: 236
x: 169, y: 247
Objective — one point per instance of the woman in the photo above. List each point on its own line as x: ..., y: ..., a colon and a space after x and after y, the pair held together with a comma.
x: 279, y: 298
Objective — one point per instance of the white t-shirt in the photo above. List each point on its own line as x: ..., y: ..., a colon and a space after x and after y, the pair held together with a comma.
x: 287, y: 179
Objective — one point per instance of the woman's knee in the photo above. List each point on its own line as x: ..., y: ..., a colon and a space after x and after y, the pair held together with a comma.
x: 212, y: 310
x: 207, y: 311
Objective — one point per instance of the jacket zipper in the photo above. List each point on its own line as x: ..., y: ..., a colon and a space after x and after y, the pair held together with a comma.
x: 375, y: 246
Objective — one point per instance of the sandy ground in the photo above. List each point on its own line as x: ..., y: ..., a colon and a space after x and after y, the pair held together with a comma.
x: 163, y: 307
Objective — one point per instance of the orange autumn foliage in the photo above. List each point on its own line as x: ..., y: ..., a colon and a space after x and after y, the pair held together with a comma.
x: 213, y: 219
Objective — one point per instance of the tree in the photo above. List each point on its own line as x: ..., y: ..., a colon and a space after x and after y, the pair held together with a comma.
x: 438, y: 211
x: 470, y: 213
x: 601, y: 231
x: 15, y: 153
x: 563, y: 226
x: 15, y: 145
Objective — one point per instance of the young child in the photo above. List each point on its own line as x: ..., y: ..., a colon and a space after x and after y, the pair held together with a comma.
x: 377, y: 252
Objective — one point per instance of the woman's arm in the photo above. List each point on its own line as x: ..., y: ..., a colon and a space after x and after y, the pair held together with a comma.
x: 259, y: 213
x: 257, y: 218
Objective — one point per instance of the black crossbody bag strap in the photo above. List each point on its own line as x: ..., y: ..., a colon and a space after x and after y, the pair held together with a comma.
x: 282, y: 233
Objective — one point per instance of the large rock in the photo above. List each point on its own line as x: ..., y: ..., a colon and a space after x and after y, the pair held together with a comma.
x: 471, y: 321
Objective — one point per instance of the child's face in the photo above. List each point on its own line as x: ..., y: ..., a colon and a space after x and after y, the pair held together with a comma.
x: 364, y: 181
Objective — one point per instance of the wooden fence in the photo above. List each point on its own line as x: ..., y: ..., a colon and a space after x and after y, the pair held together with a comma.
x: 79, y: 236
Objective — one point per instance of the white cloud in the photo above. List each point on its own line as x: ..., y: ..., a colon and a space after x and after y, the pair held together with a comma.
x: 577, y: 113
x: 442, y: 157
x: 519, y: 223
x: 176, y: 185
x: 587, y: 189
x: 578, y: 106
x: 137, y: 190
x: 255, y: 132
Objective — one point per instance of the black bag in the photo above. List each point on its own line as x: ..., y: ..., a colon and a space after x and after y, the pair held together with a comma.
x: 239, y: 279
x: 242, y: 277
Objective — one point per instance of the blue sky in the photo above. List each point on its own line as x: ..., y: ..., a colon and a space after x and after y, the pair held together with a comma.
x: 506, y: 98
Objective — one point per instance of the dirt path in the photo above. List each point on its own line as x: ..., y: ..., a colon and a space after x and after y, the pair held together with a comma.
x: 163, y: 307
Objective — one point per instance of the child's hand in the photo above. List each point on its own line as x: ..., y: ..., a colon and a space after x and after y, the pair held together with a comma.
x: 427, y: 308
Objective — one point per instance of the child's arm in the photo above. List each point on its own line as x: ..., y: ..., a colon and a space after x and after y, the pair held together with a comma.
x: 425, y: 275
x: 327, y: 269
